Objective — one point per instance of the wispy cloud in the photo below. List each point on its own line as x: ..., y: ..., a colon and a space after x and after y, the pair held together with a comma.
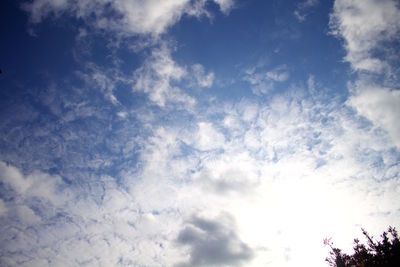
x: 125, y: 18
x: 303, y: 9
x: 202, y: 79
x: 278, y: 74
x: 158, y: 77
x: 263, y: 81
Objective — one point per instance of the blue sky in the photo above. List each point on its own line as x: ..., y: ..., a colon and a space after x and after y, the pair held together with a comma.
x: 196, y: 132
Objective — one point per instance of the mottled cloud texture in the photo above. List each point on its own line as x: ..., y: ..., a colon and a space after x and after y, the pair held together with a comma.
x: 168, y: 162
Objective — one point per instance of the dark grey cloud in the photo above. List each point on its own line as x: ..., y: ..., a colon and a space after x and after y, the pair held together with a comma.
x: 213, y: 242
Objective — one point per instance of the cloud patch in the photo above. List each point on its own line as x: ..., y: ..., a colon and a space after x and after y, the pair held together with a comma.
x: 263, y: 82
x: 126, y: 18
x: 380, y: 105
x: 202, y: 78
x: 213, y: 242
x: 278, y: 74
x: 303, y: 9
x: 159, y: 77
x: 367, y: 28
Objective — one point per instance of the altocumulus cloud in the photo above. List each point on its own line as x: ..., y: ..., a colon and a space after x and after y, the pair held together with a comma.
x: 160, y: 163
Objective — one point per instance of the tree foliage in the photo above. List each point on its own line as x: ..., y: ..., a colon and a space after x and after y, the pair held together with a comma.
x: 383, y: 253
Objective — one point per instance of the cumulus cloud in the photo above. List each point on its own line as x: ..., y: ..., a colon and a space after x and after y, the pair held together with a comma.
x: 125, y: 18
x: 367, y: 28
x: 380, y: 105
x: 213, y: 242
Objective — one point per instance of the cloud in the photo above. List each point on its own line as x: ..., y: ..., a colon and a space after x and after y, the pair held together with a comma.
x: 47, y: 222
x: 104, y: 81
x: 225, y: 5
x: 34, y: 185
x: 367, y: 28
x: 213, y: 242
x: 3, y: 208
x: 159, y: 76
x: 263, y: 164
x: 259, y: 85
x: 298, y: 157
x: 303, y: 9
x: 207, y: 137
x: 378, y: 104
x: 263, y: 82
x: 229, y: 172
x: 311, y: 83
x: 126, y: 18
x: 278, y: 74
x: 13, y: 178
x: 201, y: 78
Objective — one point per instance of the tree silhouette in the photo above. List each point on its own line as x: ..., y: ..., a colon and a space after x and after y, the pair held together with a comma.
x: 384, y: 253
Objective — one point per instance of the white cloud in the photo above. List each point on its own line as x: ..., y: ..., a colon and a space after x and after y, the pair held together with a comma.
x: 311, y: 83
x: 263, y: 82
x: 225, y: 5
x: 72, y: 227
x: 202, y: 79
x: 366, y: 27
x: 207, y: 137
x: 300, y: 165
x: 12, y: 177
x: 369, y: 29
x: 133, y: 17
x: 379, y: 105
x: 104, y: 81
x: 278, y: 75
x: 158, y: 77
x: 292, y: 159
x: 36, y: 184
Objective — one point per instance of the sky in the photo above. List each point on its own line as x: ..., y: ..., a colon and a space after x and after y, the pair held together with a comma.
x: 196, y: 132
